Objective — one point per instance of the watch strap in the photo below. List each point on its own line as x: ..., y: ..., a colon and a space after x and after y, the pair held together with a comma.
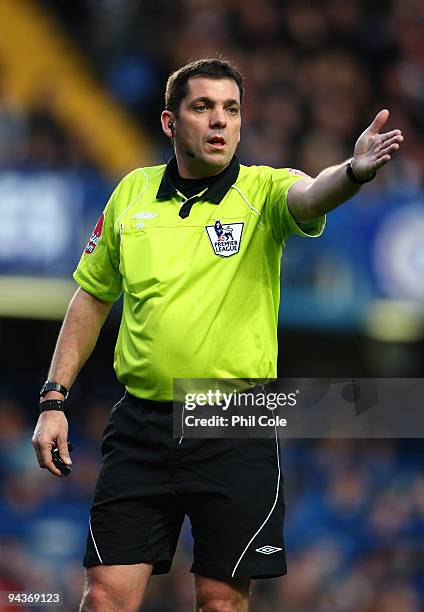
x: 53, y: 386
x: 353, y: 178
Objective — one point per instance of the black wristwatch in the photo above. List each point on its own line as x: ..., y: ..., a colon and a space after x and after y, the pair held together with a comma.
x: 353, y: 178
x: 52, y: 386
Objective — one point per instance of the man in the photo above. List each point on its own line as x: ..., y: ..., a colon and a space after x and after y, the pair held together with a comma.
x: 195, y: 246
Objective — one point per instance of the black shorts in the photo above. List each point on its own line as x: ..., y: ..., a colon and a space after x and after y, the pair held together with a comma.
x: 232, y: 491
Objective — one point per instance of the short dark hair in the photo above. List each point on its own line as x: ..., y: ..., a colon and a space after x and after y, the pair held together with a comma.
x: 176, y: 86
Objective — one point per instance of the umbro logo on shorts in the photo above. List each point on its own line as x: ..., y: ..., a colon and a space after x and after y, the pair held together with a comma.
x: 225, y: 239
x: 268, y: 550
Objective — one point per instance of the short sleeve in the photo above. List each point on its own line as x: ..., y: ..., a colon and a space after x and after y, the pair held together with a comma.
x: 278, y: 214
x: 98, y: 269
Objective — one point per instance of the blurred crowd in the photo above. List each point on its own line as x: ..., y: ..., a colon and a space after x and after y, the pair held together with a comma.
x: 35, y: 139
x: 354, y: 523
x: 316, y: 73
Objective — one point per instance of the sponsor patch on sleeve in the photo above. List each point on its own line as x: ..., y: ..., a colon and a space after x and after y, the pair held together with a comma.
x: 95, y: 236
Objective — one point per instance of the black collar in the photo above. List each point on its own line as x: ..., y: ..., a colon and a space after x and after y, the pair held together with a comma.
x: 215, y: 193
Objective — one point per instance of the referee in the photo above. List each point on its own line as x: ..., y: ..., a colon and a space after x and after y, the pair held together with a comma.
x: 195, y: 248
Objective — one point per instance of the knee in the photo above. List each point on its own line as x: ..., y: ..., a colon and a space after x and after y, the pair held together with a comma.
x: 219, y: 604
x: 95, y: 598
x: 98, y: 598
x: 221, y: 595
x: 216, y: 605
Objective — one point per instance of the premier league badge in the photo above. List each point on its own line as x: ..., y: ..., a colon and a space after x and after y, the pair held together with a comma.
x: 225, y: 239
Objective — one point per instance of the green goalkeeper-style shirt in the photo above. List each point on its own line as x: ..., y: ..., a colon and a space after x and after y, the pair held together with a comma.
x: 201, y: 277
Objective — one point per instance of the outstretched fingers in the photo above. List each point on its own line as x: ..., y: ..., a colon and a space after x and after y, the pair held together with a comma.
x: 391, y: 135
x: 389, y: 146
x: 382, y: 159
x: 387, y: 150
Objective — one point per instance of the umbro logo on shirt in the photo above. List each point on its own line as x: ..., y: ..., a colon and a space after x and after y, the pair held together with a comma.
x: 145, y: 215
x: 268, y: 550
x: 225, y: 239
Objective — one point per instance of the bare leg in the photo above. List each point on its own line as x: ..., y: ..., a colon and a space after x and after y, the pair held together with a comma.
x: 221, y: 595
x: 113, y: 588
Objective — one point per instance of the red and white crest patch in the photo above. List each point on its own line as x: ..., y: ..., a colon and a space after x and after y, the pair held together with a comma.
x: 95, y: 236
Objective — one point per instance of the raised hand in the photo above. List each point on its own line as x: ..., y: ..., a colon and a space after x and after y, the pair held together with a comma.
x: 372, y: 149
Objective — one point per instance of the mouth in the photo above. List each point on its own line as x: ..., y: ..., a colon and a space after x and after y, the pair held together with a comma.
x: 216, y: 142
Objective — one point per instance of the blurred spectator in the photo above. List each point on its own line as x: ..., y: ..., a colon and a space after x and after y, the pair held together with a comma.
x: 48, y: 140
x: 13, y: 129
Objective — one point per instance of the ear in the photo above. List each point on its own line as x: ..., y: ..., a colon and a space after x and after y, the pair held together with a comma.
x: 167, y: 119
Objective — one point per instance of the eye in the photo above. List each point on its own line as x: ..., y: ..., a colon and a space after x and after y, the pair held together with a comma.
x: 233, y: 110
x: 200, y: 108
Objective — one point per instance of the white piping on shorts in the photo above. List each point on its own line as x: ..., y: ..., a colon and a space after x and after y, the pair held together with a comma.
x: 182, y: 426
x: 134, y: 201
x: 269, y: 513
x: 94, y: 541
x: 255, y: 210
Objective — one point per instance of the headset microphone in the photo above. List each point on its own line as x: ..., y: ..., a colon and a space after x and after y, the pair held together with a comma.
x: 174, y: 137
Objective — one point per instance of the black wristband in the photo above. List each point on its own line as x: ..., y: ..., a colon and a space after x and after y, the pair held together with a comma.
x: 353, y: 178
x: 52, y: 405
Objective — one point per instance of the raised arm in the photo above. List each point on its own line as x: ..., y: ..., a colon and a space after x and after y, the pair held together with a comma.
x: 77, y: 339
x: 310, y: 198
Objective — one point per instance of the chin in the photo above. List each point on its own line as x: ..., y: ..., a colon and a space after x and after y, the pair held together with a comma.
x: 218, y: 160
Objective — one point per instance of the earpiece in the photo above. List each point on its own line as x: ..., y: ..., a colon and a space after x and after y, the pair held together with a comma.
x: 174, y: 137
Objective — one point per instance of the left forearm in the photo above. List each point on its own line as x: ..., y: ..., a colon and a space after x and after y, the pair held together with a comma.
x: 329, y: 189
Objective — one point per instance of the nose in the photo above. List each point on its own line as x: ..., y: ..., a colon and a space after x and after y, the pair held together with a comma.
x: 218, y: 118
